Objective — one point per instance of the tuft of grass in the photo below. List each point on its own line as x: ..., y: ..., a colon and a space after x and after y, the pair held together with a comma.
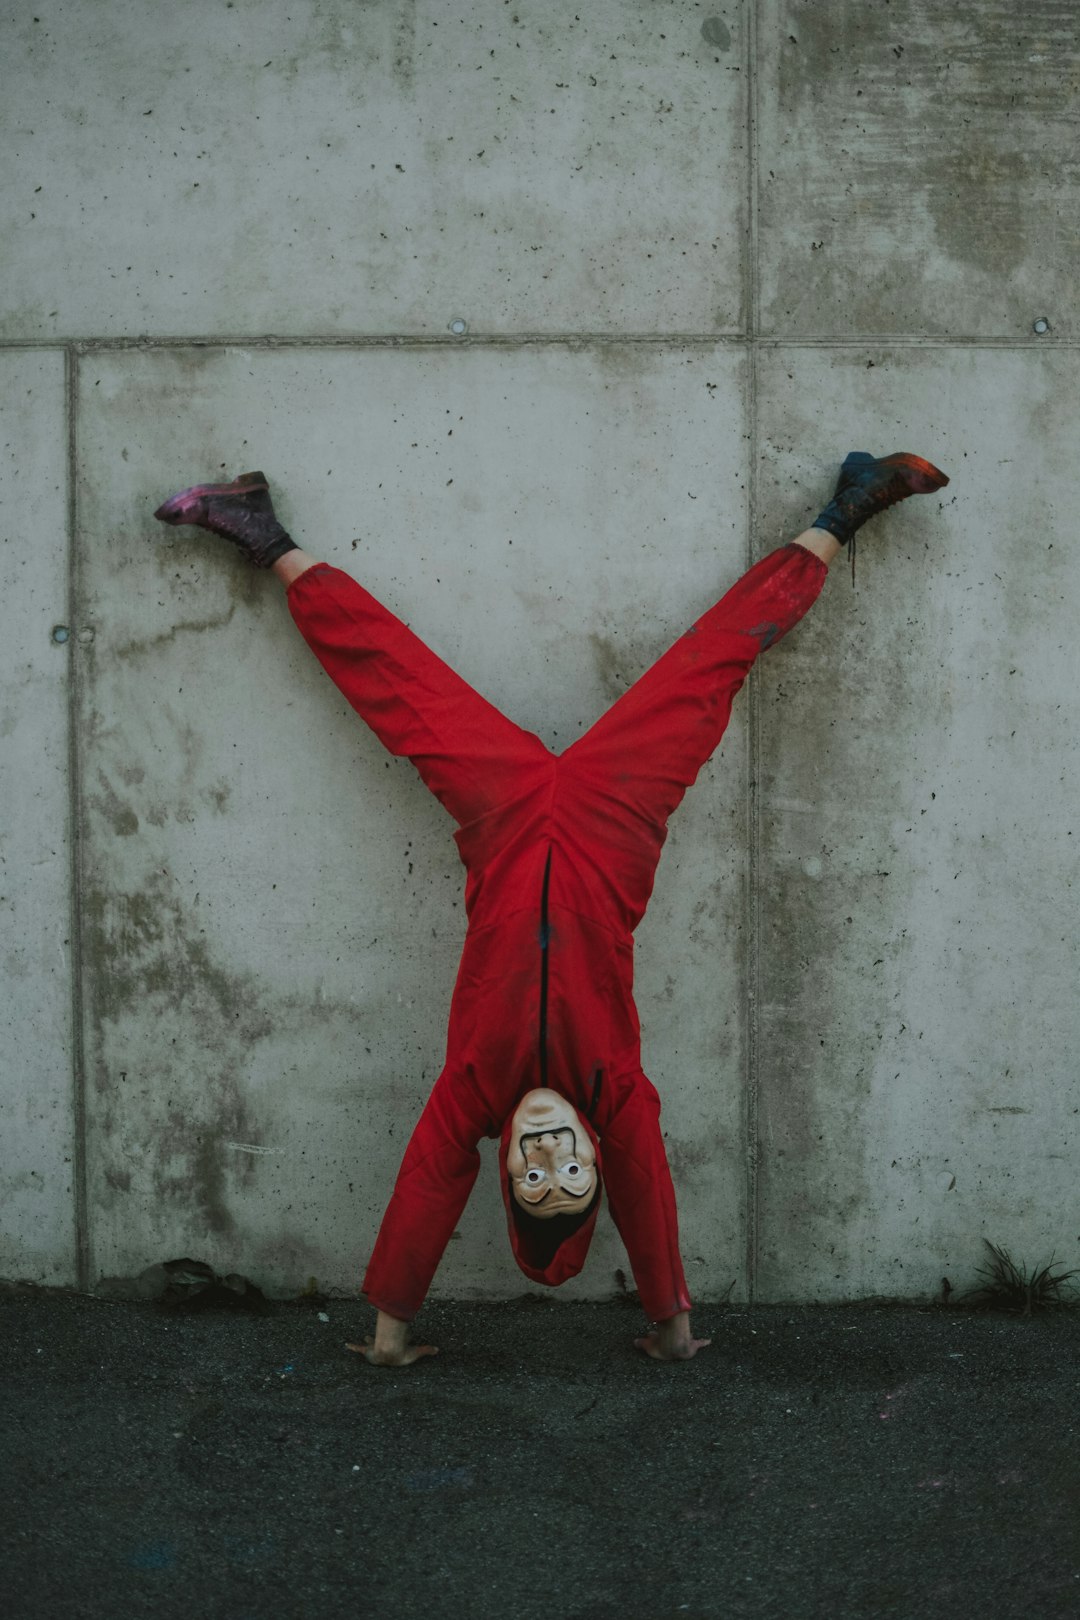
x: 1009, y: 1287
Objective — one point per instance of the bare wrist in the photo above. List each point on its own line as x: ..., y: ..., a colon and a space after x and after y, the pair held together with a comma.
x: 675, y: 1330
x: 391, y: 1334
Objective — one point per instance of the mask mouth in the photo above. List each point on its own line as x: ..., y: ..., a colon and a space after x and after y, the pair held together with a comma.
x: 563, y: 1192
x: 556, y: 1202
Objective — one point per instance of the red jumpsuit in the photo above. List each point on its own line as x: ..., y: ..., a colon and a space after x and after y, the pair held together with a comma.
x: 560, y: 853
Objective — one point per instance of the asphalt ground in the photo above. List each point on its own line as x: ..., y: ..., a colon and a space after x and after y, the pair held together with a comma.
x: 866, y: 1460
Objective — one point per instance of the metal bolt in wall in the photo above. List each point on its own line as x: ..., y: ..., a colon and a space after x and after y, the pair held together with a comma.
x: 458, y: 326
x: 1042, y: 325
x: 60, y: 634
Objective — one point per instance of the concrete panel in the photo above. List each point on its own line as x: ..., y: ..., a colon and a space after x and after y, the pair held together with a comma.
x: 918, y: 907
x: 274, y: 907
x: 320, y: 167
x: 918, y: 166
x: 37, y: 1233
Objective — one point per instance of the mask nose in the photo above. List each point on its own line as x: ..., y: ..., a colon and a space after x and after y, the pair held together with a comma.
x: 547, y: 1149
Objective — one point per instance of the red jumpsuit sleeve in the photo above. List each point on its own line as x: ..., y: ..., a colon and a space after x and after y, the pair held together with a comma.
x: 642, y: 1199
x: 436, y: 1177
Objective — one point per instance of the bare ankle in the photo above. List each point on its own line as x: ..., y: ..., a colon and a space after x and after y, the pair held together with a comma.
x: 292, y: 565
x: 820, y: 542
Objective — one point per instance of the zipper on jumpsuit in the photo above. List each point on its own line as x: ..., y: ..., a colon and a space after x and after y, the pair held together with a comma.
x: 544, y: 939
x: 545, y: 944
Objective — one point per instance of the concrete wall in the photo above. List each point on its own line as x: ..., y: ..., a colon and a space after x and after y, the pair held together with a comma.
x: 699, y: 251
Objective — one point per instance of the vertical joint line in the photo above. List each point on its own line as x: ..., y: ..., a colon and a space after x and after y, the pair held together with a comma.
x: 751, y: 276
x: 78, y: 1055
x: 753, y: 802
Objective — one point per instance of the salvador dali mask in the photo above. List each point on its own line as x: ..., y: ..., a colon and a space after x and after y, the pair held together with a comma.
x: 550, y: 1159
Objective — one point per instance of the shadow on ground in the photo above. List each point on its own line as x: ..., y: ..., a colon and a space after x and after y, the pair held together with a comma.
x: 814, y: 1462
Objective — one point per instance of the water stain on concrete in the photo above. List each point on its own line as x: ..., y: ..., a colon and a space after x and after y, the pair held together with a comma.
x: 620, y: 660
x: 120, y: 816
x: 138, y: 945
x: 404, y: 46
x: 687, y: 1157
x: 1001, y: 218
x: 609, y: 662
x: 192, y: 1164
x: 715, y: 32
x: 151, y: 971
x: 982, y: 181
x: 139, y: 647
x: 626, y: 361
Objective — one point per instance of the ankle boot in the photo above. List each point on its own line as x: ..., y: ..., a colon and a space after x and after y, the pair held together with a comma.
x: 241, y: 512
x: 867, y: 485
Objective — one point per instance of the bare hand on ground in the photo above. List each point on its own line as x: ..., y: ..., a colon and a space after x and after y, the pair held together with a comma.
x: 672, y: 1340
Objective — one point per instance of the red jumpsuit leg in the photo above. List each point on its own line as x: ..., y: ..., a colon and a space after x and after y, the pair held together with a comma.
x: 650, y: 745
x: 468, y: 753
x: 472, y: 758
x: 632, y: 769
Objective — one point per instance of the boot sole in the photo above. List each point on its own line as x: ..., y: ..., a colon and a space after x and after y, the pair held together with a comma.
x: 178, y: 507
x: 927, y: 476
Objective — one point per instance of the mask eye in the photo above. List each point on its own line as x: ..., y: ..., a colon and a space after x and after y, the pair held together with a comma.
x: 534, y: 1178
x: 572, y: 1169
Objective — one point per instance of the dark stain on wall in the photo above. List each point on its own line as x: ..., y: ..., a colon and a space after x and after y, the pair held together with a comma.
x: 193, y: 1164
x: 120, y: 816
x: 143, y: 943
x: 155, y: 985
x: 620, y: 659
x: 984, y: 94
x: 715, y: 32
x: 137, y: 647
x: 404, y: 47
x: 610, y: 664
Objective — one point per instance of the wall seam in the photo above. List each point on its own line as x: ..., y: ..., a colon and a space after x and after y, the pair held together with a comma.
x: 753, y: 750
x: 571, y: 340
x: 78, y: 1056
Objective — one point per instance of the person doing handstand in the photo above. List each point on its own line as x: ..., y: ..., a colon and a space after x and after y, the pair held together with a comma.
x: 543, y: 1045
